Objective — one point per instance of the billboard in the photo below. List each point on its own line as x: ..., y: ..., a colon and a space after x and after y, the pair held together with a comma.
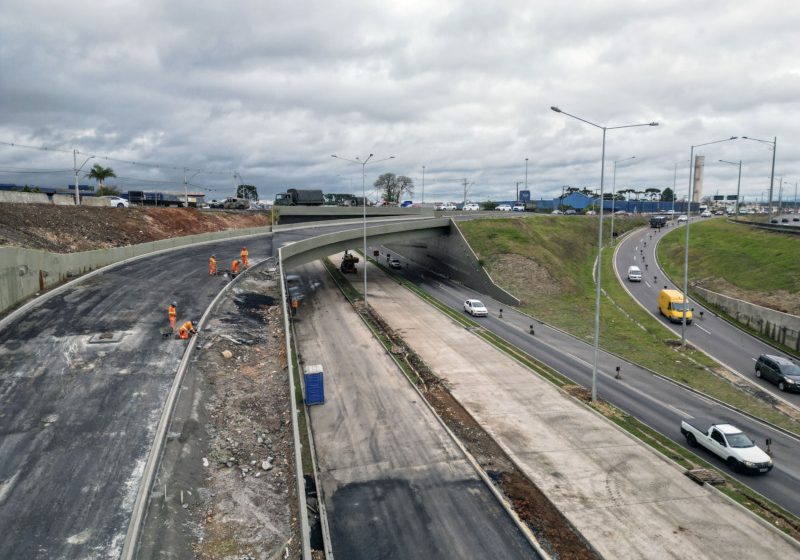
x: 525, y: 196
x: 731, y: 197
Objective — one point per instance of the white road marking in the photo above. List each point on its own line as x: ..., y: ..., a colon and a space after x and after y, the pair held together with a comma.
x: 754, y: 359
x: 702, y: 329
x: 680, y: 412
x: 647, y: 284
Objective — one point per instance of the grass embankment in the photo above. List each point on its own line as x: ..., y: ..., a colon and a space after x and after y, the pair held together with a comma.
x: 559, y: 253
x: 758, y: 263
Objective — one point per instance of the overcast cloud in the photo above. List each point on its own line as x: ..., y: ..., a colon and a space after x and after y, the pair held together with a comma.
x: 272, y: 88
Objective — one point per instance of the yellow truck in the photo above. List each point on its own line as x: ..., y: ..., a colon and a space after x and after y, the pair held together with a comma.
x: 672, y: 306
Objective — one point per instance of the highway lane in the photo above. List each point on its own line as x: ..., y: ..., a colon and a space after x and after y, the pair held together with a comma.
x: 655, y: 401
x: 730, y: 346
x: 395, y: 485
x: 77, y: 418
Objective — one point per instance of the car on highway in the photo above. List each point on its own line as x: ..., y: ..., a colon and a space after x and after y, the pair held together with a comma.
x: 504, y: 208
x: 438, y: 205
x: 475, y: 308
x: 570, y: 212
x: 116, y: 201
x: 518, y: 208
x: 471, y: 207
x: 705, y: 214
x: 729, y: 443
x: 683, y: 218
x: 781, y: 371
x: 591, y: 213
x: 634, y: 274
x: 785, y: 220
x: 774, y: 221
x: 394, y: 262
x: 556, y: 211
x: 796, y: 219
x: 719, y: 213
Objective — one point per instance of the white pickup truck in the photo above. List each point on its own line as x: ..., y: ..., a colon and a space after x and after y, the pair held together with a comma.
x: 729, y: 443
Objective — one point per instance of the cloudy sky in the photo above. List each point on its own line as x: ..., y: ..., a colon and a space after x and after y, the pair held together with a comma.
x: 271, y: 89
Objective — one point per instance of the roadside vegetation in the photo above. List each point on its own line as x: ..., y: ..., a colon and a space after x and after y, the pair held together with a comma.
x: 547, y: 263
x: 752, y: 264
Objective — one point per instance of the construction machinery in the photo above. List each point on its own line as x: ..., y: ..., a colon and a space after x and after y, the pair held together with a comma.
x: 348, y: 263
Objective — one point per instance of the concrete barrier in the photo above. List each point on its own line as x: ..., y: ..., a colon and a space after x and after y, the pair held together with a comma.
x: 776, y: 325
x: 93, y: 201
x: 63, y: 199
x: 20, y: 197
x: 25, y: 272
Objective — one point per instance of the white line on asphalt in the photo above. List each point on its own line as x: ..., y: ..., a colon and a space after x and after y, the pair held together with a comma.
x: 647, y: 284
x: 702, y: 329
x: 754, y: 359
x: 680, y: 412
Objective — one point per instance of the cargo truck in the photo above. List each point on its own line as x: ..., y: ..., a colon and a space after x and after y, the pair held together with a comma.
x: 300, y: 197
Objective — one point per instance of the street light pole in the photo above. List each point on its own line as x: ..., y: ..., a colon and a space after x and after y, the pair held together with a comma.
x: 423, y: 185
x: 738, y: 186
x: 774, y: 143
x: 526, y: 179
x: 613, y: 194
x: 599, y: 239
x: 517, y: 199
x: 77, y: 170
x: 688, y: 221
x: 364, y: 206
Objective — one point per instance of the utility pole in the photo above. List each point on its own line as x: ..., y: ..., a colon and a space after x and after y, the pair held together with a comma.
x: 423, y: 184
x: 517, y: 199
x: 465, y: 191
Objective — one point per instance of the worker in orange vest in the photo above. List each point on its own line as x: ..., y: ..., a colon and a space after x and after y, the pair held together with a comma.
x: 212, y: 266
x: 172, y: 311
x: 245, y: 255
x: 234, y: 268
x: 187, y: 329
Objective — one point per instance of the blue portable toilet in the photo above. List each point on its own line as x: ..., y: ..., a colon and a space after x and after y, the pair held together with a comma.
x: 314, y: 383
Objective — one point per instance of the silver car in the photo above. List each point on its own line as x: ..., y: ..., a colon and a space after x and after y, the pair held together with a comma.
x: 475, y: 308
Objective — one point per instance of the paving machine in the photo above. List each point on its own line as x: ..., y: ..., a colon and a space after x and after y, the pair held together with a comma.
x: 348, y: 263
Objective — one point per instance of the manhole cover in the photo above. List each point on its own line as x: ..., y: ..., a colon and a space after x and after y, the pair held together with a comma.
x: 106, y: 337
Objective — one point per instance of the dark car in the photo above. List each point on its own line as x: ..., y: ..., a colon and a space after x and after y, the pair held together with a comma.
x: 785, y: 220
x: 774, y: 221
x: 782, y: 371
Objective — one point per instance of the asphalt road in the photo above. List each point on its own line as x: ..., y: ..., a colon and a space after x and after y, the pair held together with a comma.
x: 395, y: 485
x: 728, y: 345
x: 77, y: 418
x: 655, y: 401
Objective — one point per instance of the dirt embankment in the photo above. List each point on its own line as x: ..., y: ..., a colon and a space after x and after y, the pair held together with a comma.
x: 70, y: 229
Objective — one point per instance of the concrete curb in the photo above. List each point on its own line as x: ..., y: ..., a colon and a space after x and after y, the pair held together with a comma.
x: 130, y: 546
x: 298, y: 459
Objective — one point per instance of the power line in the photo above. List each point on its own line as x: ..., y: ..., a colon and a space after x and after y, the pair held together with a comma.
x: 110, y: 158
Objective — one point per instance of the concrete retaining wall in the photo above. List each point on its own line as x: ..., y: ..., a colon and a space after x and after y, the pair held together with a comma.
x: 24, y: 272
x: 89, y: 201
x: 780, y: 327
x: 454, y: 258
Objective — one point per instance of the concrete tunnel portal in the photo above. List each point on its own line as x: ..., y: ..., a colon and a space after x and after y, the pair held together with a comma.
x: 436, y: 244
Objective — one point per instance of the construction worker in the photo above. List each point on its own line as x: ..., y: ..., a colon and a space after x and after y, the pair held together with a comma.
x: 212, y: 266
x: 187, y: 329
x: 172, y: 311
x: 234, y: 268
x: 244, y: 254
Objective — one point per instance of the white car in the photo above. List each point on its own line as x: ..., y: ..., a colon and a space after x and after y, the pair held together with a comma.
x: 518, y: 208
x: 394, y: 262
x: 683, y: 218
x: 556, y: 212
x: 475, y: 308
x: 634, y: 274
x: 471, y: 207
x: 438, y: 206
x: 504, y: 208
x: 705, y: 214
x: 116, y: 201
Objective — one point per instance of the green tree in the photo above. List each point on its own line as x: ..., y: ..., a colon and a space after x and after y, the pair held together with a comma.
x: 100, y: 174
x: 393, y: 186
x: 654, y: 193
x: 247, y: 191
x: 488, y: 205
x: 667, y: 195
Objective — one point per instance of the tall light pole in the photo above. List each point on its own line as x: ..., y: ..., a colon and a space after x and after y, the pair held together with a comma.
x: 674, y: 187
x: 774, y: 143
x: 688, y: 221
x: 78, y: 170
x: 738, y: 186
x: 423, y: 185
x: 517, y: 199
x: 613, y: 194
x: 363, y: 165
x: 599, y: 238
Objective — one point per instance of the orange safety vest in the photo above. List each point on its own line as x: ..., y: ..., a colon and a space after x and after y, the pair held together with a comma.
x: 172, y: 312
x: 245, y: 254
x: 212, y: 264
x: 235, y: 267
x: 185, y: 329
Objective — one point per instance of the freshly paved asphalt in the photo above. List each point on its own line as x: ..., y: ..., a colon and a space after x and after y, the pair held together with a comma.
x: 725, y: 343
x: 76, y: 418
x: 655, y: 401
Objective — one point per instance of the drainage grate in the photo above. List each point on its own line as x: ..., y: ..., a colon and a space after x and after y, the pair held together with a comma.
x: 106, y: 338
x: 706, y: 476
